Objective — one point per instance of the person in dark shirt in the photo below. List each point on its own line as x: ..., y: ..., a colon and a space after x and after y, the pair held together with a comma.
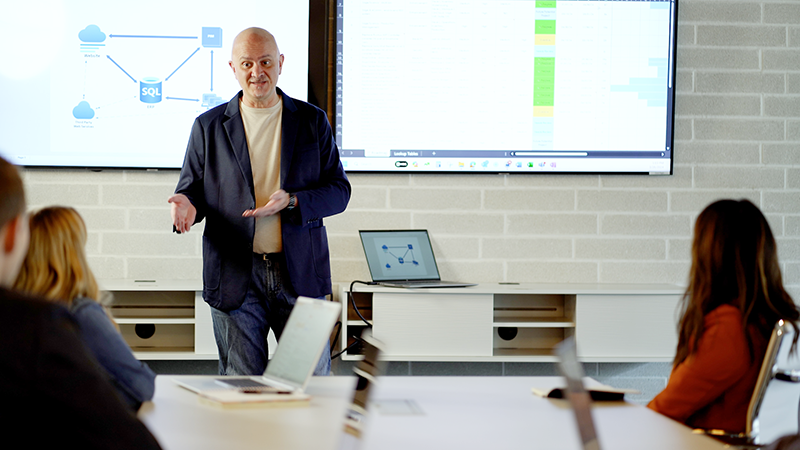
x: 54, y: 394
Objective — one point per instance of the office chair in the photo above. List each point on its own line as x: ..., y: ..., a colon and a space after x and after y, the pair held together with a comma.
x: 775, y: 405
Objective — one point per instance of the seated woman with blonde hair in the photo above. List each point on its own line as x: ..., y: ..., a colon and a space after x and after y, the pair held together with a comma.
x: 735, y: 297
x: 55, y: 267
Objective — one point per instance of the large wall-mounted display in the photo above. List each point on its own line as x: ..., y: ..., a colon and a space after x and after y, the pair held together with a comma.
x: 522, y: 86
x: 93, y: 83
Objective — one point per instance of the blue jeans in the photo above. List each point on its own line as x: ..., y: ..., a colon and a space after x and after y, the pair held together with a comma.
x: 241, y: 334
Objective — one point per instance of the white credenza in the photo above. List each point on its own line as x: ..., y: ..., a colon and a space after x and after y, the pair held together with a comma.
x: 516, y: 322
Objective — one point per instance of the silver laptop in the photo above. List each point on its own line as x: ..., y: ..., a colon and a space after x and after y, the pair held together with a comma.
x: 298, y: 351
x: 403, y: 258
x: 579, y: 398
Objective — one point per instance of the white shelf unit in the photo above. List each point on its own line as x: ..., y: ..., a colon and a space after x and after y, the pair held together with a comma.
x: 163, y: 319
x: 516, y: 322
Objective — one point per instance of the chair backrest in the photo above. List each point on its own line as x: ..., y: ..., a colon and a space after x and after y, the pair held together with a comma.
x: 775, y: 404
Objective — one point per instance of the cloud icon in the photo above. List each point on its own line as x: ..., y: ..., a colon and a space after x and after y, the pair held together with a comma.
x: 83, y: 111
x: 92, y: 33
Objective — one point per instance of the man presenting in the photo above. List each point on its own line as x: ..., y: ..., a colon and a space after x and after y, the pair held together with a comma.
x: 263, y: 170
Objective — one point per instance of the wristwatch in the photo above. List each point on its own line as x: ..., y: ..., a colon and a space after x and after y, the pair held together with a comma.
x: 292, y: 202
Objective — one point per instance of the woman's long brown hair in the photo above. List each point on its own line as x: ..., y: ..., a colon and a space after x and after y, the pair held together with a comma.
x: 734, y: 262
x: 55, y: 266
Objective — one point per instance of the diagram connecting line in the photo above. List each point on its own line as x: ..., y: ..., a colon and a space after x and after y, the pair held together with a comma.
x: 212, y: 70
x: 401, y: 259
x: 185, y: 99
x: 120, y: 68
x: 184, y: 62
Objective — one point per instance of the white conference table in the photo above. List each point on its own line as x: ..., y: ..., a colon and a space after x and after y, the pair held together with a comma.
x: 456, y: 413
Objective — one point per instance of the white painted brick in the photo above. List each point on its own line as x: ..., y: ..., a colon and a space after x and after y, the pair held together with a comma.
x: 695, y: 201
x: 781, y: 154
x: 160, y: 176
x: 788, y: 249
x: 459, y: 223
x: 471, y: 271
x: 792, y: 274
x: 793, y: 180
x: 76, y: 176
x: 383, y: 179
x: 529, y: 199
x: 684, y: 81
x: 620, y: 249
x: 618, y: 200
x: 137, y: 194
x: 793, y: 83
x: 679, y: 249
x: 781, y: 202
x: 645, y: 225
x: 738, y: 177
x: 142, y: 244
x: 781, y: 106
x: 780, y: 59
x: 107, y: 268
x: 726, y: 11
x: 739, y: 82
x: 683, y: 129
x: 794, y: 36
x: 782, y: 13
x: 704, y: 152
x: 434, y: 199
x: 552, y: 180
x: 552, y: 224
x: 456, y: 248
x: 368, y: 197
x: 739, y: 129
x: 459, y: 180
x: 92, y: 244
x: 349, y: 270
x: 99, y: 219
x: 165, y: 268
x: 775, y: 223
x: 686, y: 34
x: 794, y: 291
x: 526, y: 248
x: 40, y: 194
x: 352, y: 221
x: 345, y: 246
x: 681, y: 178
x: 792, y: 226
x: 552, y: 272
x: 717, y: 58
x: 793, y: 130
x: 718, y: 105
x: 152, y: 219
x: 741, y: 35
x: 645, y: 272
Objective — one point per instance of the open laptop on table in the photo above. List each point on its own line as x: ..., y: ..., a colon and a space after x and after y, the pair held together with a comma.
x: 299, y: 349
x: 403, y: 258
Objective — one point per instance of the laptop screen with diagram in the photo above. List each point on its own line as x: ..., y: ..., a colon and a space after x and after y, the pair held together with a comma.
x: 396, y: 255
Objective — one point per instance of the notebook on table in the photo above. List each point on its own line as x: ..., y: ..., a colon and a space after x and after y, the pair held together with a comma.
x: 403, y: 258
x: 299, y: 349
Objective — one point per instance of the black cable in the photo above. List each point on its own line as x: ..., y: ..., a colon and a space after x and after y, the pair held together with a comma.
x: 357, y: 342
x: 353, y: 301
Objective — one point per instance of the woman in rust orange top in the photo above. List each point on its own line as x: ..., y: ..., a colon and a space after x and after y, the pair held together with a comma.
x: 734, y: 298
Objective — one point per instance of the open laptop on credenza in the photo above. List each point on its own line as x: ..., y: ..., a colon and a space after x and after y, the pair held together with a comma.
x: 403, y: 259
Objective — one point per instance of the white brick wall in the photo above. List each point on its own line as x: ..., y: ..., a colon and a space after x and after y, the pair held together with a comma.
x: 738, y: 135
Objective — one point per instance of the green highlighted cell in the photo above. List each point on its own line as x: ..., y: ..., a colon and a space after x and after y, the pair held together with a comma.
x: 545, y: 27
x: 546, y: 4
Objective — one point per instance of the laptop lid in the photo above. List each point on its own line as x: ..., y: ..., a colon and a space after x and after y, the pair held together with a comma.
x: 302, y: 341
x: 579, y: 398
x: 399, y: 255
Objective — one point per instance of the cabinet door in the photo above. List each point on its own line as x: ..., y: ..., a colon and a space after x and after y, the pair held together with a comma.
x: 424, y: 324
x: 626, y: 327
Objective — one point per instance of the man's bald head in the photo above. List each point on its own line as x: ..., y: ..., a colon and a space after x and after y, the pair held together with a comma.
x: 257, y: 63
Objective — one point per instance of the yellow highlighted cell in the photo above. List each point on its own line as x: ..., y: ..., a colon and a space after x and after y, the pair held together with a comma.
x: 542, y: 111
x: 545, y: 39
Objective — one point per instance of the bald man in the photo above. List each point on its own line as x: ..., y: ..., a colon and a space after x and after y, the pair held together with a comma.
x: 263, y: 171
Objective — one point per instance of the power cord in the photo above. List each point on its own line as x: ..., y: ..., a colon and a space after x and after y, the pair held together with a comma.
x: 355, y: 308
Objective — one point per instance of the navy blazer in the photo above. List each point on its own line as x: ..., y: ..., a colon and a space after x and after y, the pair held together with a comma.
x: 218, y: 180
